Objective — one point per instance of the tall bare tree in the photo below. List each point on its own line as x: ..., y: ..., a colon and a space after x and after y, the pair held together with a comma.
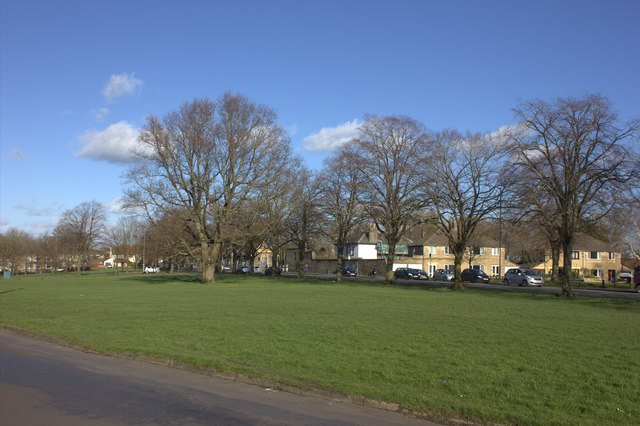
x: 14, y: 245
x: 82, y: 227
x: 305, y: 217
x: 390, y: 156
x: 576, y: 151
x: 341, y: 187
x: 465, y: 186
x: 123, y: 236
x: 206, y: 161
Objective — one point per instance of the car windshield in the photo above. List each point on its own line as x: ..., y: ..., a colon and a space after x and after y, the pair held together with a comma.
x: 530, y: 272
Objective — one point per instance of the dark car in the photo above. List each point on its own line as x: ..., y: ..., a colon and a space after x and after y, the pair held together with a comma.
x: 410, y: 274
x: 348, y: 271
x: 272, y: 270
x: 244, y: 269
x: 475, y: 276
x: 636, y: 278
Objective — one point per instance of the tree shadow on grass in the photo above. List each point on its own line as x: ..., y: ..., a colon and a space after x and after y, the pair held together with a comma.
x: 155, y: 279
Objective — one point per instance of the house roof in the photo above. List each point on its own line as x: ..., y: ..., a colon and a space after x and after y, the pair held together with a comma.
x: 438, y: 239
x: 584, y: 242
x: 370, y: 238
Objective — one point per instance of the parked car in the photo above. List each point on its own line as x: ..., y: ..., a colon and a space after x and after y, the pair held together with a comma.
x: 636, y: 278
x: 625, y: 276
x: 410, y: 274
x: 348, y: 271
x: 226, y: 268
x: 151, y: 269
x: 443, y: 275
x: 474, y: 276
x: 243, y: 269
x: 272, y: 270
x: 522, y: 277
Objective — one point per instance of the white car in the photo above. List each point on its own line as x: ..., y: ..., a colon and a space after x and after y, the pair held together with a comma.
x: 151, y: 269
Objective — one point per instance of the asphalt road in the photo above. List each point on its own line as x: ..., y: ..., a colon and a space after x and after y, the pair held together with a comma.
x: 620, y: 293
x: 42, y: 383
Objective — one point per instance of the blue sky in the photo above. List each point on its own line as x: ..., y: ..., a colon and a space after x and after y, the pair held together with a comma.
x: 78, y: 78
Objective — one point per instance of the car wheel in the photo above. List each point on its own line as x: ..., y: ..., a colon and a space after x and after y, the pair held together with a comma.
x: 505, y: 282
x: 638, y: 288
x: 524, y: 283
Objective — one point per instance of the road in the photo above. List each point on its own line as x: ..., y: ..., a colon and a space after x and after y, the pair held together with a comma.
x: 580, y: 291
x: 42, y: 383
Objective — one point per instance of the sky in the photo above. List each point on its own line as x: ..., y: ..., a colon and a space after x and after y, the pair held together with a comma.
x: 78, y: 79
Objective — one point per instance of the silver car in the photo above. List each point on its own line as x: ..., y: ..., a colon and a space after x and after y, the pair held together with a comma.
x: 443, y: 275
x: 523, y: 277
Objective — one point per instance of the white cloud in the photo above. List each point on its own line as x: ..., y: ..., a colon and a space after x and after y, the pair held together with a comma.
x: 113, y: 144
x: 115, y: 206
x: 17, y: 155
x: 330, y: 138
x: 120, y: 85
x: 100, y: 114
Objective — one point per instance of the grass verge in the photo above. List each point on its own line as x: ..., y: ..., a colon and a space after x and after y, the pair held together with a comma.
x: 481, y: 355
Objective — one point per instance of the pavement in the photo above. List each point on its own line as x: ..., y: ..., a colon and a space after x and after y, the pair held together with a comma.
x: 45, y: 382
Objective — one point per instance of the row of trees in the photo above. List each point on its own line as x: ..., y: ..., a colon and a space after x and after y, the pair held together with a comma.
x: 219, y: 177
x: 223, y: 172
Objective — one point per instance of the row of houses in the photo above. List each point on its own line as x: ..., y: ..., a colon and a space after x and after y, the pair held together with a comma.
x: 365, y: 251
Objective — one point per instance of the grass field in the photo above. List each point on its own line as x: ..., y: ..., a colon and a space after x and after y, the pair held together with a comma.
x: 480, y: 355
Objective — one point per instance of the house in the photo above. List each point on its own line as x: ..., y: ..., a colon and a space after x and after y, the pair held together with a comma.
x: 591, y: 258
x: 116, y: 258
x: 362, y: 245
x: 432, y: 252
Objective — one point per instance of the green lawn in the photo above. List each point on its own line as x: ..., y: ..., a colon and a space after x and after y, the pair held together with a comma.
x: 482, y: 355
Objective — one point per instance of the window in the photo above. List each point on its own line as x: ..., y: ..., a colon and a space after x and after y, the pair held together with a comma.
x: 575, y: 254
x: 596, y: 273
x: 612, y: 256
x: 450, y: 267
x: 433, y: 250
x: 477, y: 251
x: 447, y: 250
x: 594, y: 255
x: 495, y: 251
x: 480, y: 267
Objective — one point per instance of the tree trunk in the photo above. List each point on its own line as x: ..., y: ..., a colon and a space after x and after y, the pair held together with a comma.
x: 555, y: 261
x: 339, y: 249
x: 457, y: 261
x: 209, y: 254
x: 388, y: 277
x: 301, y: 247
x: 567, y: 250
x: 78, y: 266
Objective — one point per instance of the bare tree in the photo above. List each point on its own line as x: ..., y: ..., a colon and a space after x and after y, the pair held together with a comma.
x: 574, y: 150
x: 206, y: 162
x: 390, y: 156
x: 341, y: 187
x: 14, y: 245
x: 304, y: 219
x: 82, y: 227
x: 123, y: 236
x: 466, y: 186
